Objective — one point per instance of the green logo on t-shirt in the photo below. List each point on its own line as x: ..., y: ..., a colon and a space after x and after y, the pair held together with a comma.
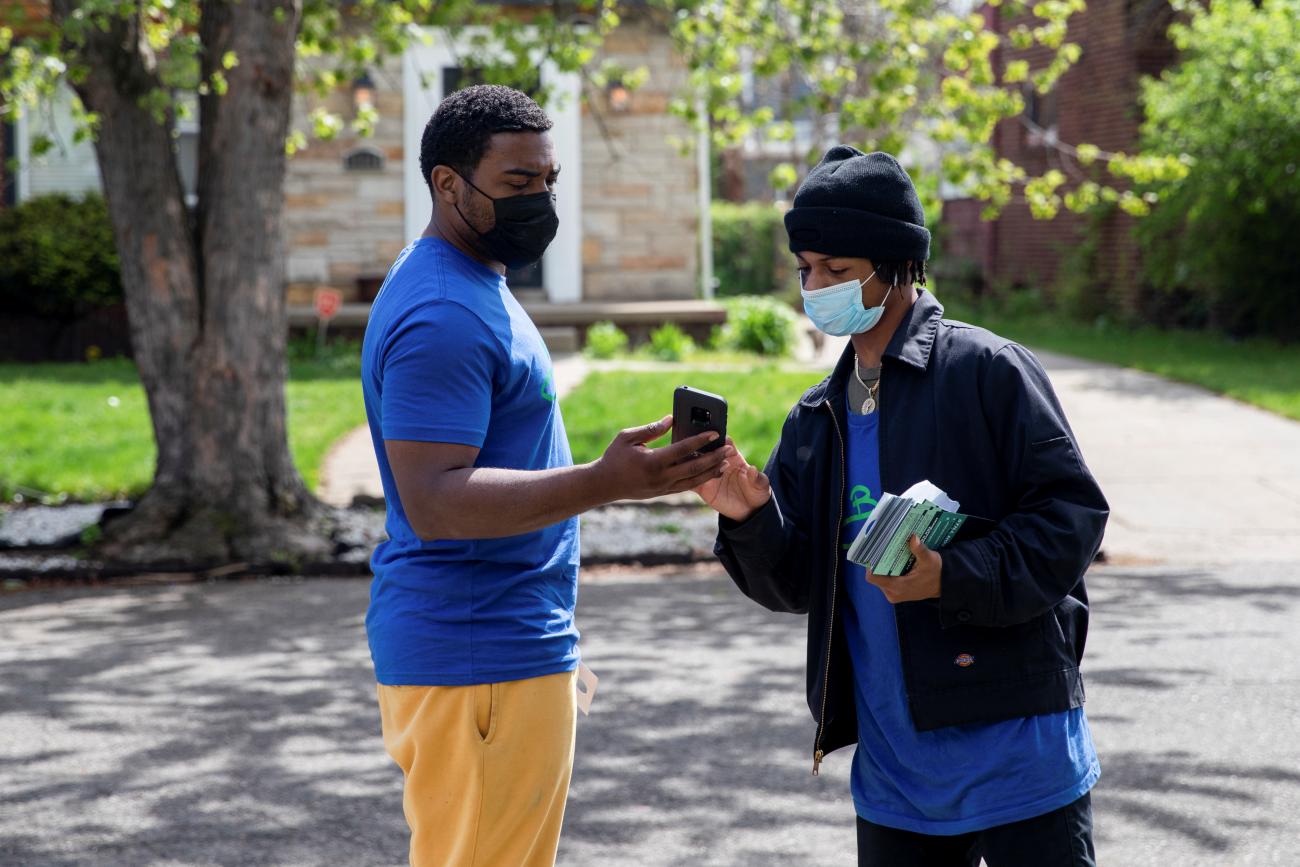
x: 548, y: 387
x: 862, y: 503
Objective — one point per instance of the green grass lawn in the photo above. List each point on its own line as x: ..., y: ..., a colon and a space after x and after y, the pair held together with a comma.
x: 1261, y: 372
x: 83, y: 429
x: 608, y: 401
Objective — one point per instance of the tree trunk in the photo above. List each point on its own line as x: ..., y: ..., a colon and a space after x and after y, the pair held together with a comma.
x: 205, y: 294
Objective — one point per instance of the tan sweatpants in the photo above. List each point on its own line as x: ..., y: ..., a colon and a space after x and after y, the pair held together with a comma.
x: 487, y: 768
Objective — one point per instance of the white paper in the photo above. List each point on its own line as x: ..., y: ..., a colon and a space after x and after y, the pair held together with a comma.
x: 928, y: 490
x: 586, y: 687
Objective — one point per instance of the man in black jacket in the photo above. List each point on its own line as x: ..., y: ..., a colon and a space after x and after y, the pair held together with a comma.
x: 959, y: 680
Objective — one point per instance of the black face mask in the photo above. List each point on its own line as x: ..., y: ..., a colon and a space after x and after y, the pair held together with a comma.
x: 524, y: 227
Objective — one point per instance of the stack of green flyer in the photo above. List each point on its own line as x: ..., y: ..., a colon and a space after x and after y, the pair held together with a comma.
x: 924, y: 510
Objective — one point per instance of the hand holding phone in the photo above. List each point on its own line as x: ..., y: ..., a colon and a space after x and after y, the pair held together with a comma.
x: 631, y: 469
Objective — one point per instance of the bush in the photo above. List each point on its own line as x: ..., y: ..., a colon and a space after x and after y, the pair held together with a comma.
x: 339, y: 354
x: 1081, y: 282
x: 670, y: 343
x: 605, y: 340
x: 1227, y: 232
x: 57, y: 257
x: 762, y: 325
x: 748, y: 245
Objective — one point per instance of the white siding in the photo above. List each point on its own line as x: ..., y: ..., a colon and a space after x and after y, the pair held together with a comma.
x: 69, y: 166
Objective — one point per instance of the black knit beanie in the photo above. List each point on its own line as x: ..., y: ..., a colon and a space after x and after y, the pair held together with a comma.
x: 858, y: 205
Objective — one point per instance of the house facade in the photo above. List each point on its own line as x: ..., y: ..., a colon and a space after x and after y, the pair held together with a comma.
x: 1095, y: 102
x: 628, y: 195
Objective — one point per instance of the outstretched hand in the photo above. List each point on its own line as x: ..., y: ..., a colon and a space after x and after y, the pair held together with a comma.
x: 741, y: 490
x: 632, y: 470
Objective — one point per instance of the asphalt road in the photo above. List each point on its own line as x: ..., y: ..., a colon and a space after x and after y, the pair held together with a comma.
x: 234, y: 724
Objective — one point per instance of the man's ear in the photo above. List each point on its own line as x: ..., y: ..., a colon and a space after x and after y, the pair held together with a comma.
x: 442, y: 183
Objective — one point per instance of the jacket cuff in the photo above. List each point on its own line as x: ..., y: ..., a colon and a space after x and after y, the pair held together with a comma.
x: 764, y: 524
x: 963, y: 586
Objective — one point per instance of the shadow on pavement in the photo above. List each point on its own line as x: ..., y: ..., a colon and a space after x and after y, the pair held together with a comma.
x: 1192, y: 683
x: 699, y: 747
x: 235, y: 724
x: 1131, y: 775
x: 231, y: 724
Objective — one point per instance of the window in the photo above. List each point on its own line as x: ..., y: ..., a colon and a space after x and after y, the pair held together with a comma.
x: 1041, y: 114
x: 67, y: 165
x: 187, y: 145
x: 364, y: 159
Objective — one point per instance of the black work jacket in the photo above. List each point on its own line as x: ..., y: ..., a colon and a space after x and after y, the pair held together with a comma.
x: 975, y: 414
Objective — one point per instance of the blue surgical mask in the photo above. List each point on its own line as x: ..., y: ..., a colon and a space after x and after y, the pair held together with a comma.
x: 837, y: 310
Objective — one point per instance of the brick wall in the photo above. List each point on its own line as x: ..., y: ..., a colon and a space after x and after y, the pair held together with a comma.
x: 1096, y: 102
x: 640, y: 213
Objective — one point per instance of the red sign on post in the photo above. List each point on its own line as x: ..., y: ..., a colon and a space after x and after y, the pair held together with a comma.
x: 327, y: 302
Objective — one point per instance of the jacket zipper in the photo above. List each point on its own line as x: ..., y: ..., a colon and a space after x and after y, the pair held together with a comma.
x: 818, y: 752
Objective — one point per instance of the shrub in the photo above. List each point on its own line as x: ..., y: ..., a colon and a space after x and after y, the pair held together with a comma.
x: 1084, y: 275
x: 1227, y: 232
x: 762, y: 325
x: 670, y: 343
x: 605, y: 340
x: 57, y: 257
x: 748, y: 241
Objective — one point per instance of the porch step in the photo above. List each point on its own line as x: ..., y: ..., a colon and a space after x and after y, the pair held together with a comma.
x: 560, y: 339
x: 628, y: 313
x: 636, y: 318
x: 567, y: 323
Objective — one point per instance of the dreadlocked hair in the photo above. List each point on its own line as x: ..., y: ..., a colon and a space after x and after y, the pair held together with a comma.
x: 905, y: 273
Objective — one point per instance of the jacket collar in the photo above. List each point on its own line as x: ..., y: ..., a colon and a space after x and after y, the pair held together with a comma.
x: 911, y: 344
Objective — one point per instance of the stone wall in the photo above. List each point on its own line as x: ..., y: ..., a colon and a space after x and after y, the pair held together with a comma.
x: 345, y: 225
x: 640, y: 212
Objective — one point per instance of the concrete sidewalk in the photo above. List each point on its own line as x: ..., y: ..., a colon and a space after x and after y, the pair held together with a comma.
x: 1192, y: 477
x: 350, y: 470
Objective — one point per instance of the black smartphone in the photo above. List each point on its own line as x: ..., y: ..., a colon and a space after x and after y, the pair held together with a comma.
x: 695, y: 412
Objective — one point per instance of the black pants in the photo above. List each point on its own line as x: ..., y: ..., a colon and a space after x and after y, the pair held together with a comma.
x: 1061, y: 838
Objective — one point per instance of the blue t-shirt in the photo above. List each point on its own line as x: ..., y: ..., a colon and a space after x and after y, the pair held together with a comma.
x: 451, y: 357
x: 952, y: 780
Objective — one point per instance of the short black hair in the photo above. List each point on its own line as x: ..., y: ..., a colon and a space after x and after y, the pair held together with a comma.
x: 457, y: 135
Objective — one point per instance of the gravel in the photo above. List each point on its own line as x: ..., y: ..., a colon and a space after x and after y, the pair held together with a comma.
x: 40, y: 540
x: 47, y: 526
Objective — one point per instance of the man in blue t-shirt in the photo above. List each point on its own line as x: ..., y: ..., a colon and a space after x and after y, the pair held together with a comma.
x: 958, y: 680
x: 470, y: 623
